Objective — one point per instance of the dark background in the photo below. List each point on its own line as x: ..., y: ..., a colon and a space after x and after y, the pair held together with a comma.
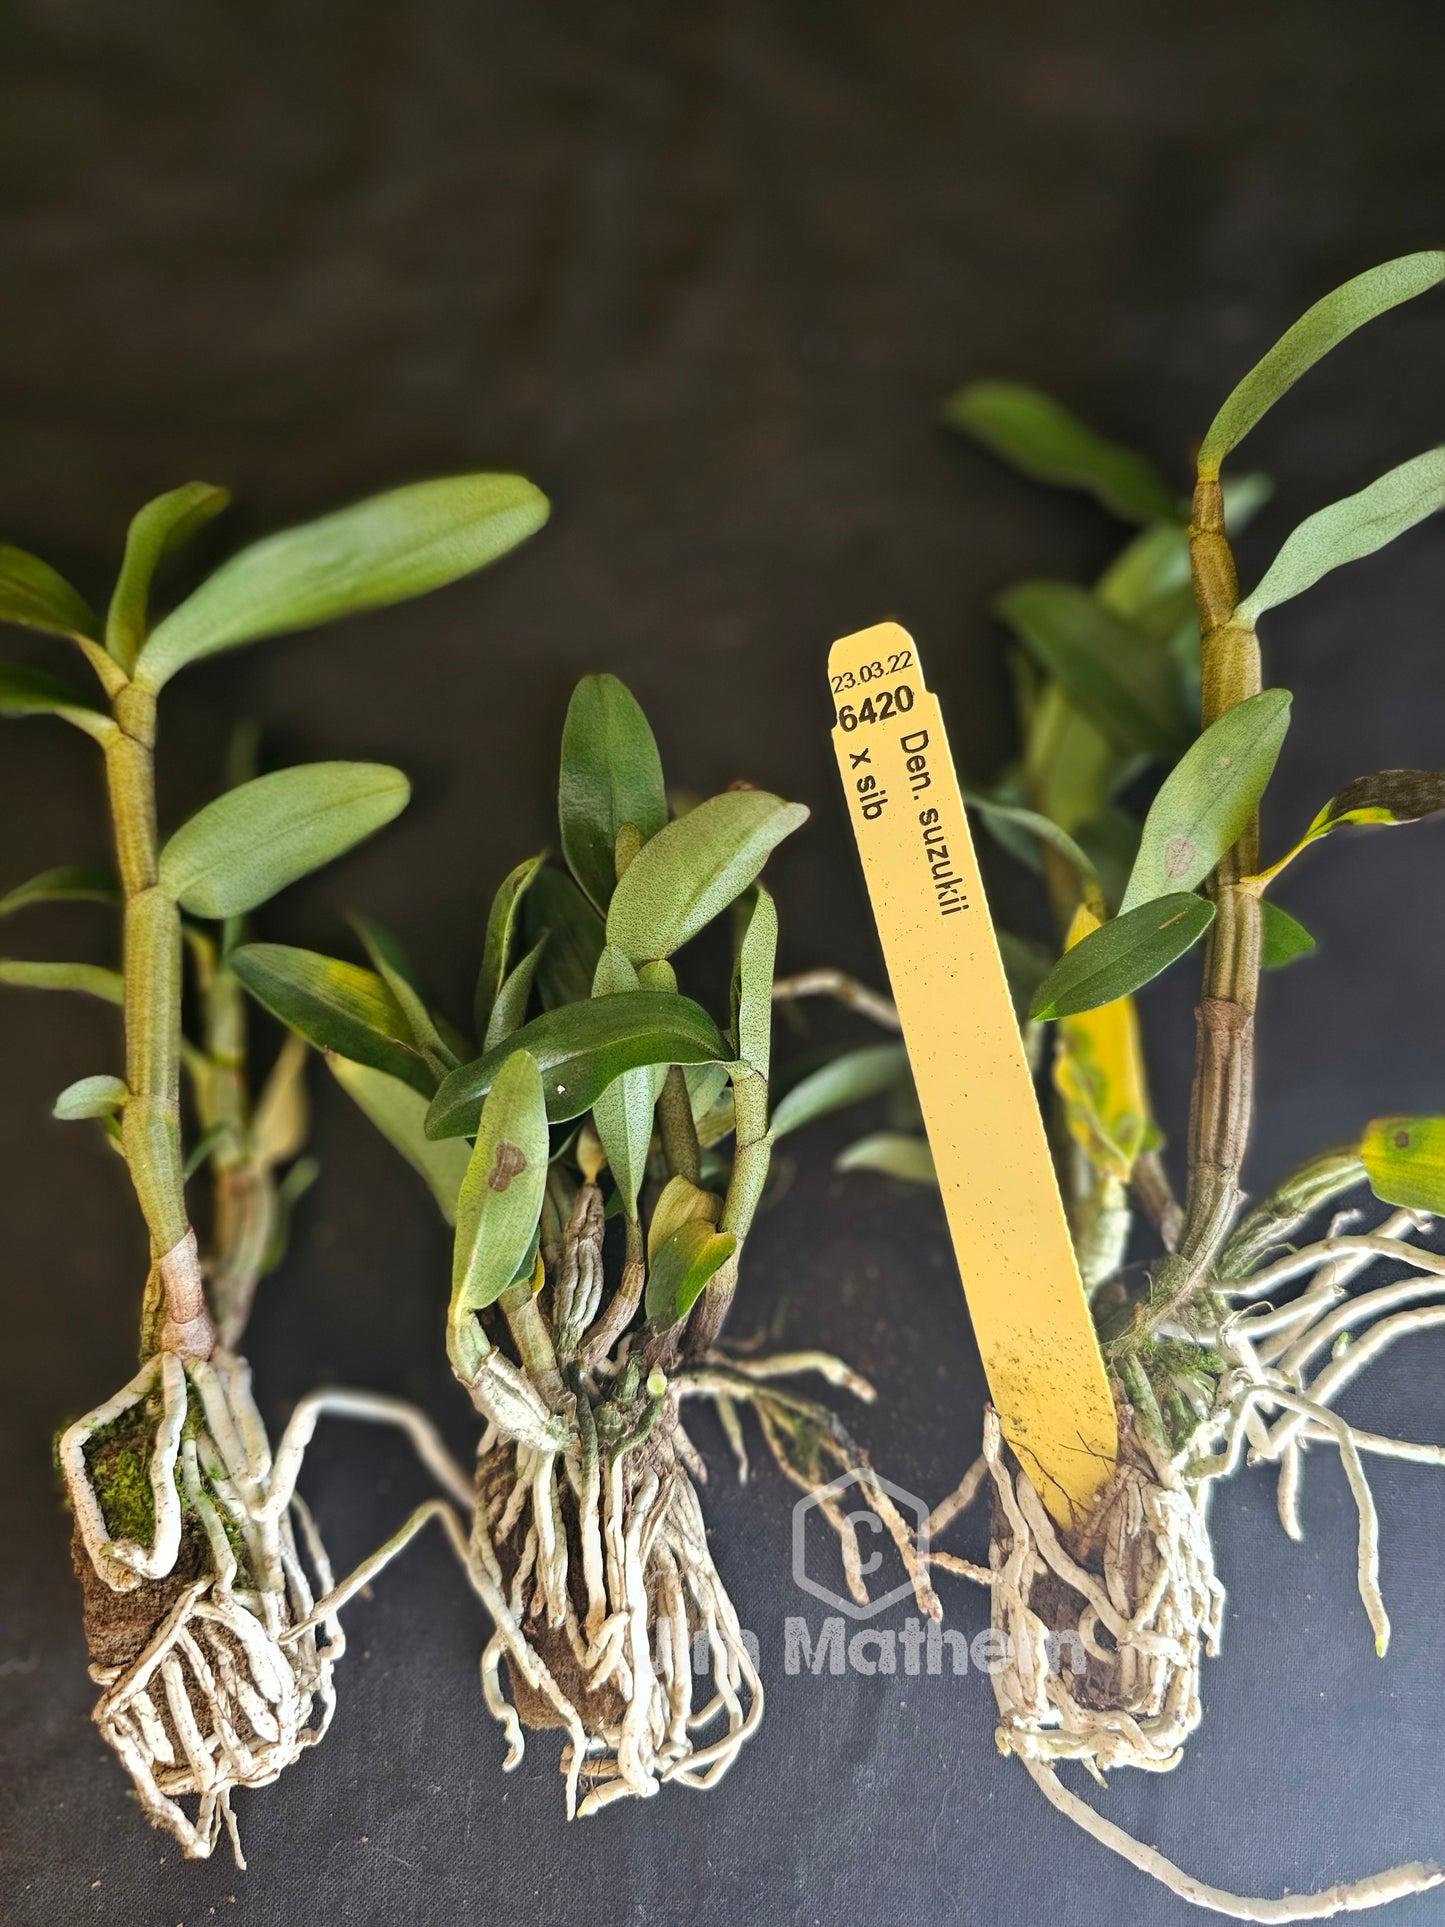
x: 704, y: 273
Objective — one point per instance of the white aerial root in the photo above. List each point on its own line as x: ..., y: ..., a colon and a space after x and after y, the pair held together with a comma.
x: 607, y: 1604
x: 217, y: 1671
x: 1132, y: 1594
x: 588, y: 1545
x: 606, y: 1644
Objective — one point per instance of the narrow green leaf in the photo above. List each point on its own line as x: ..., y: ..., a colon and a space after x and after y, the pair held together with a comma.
x: 1208, y: 798
x: 336, y: 1006
x: 1121, y: 955
x: 611, y: 775
x: 1319, y: 329
x: 1389, y: 796
x: 1153, y: 565
x: 1404, y: 1158
x: 753, y: 984
x: 1348, y: 530
x: 31, y: 692
x: 204, y: 1145
x: 31, y: 593
x: 252, y: 841
x: 556, y: 909
x: 693, y: 869
x: 91, y: 1097
x: 394, y: 967
x: 1042, y: 438
x: 381, y: 551
x: 1282, y: 937
x: 501, y: 1194
x: 289, y: 1193
x: 581, y: 1048
x: 90, y: 978
x: 502, y: 921
x: 847, y: 1079
x: 159, y: 529
x: 70, y: 883
x: 622, y: 1114
x: 399, y: 1113
x: 1128, y: 686
x: 1070, y: 767
x: 1036, y: 825
x: 896, y: 1154
x: 681, y: 1270
x: 509, y: 1012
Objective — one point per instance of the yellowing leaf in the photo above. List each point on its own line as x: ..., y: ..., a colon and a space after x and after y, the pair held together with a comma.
x: 1404, y: 1158
x: 1099, y: 1074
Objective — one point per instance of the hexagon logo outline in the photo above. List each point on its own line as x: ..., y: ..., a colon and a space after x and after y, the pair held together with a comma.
x: 905, y: 1501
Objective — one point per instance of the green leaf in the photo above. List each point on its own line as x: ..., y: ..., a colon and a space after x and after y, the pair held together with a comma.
x: 1037, y: 435
x: 1389, y: 796
x: 91, y: 1097
x: 253, y: 841
x: 395, y: 969
x: 1121, y: 955
x: 31, y: 593
x: 1208, y: 798
x: 381, y: 551
x: 336, y: 1006
x: 692, y: 870
x: 502, y: 921
x: 1319, y: 329
x: 1070, y: 767
x: 509, y: 1012
x: 1350, y: 529
x: 501, y: 1194
x: 556, y: 909
x: 1154, y: 565
x: 611, y: 775
x: 753, y: 984
x: 896, y: 1154
x: 1404, y: 1158
x: 30, y: 692
x: 90, y: 978
x: 70, y: 883
x: 848, y: 1079
x: 1128, y: 686
x: 581, y: 1048
x: 681, y: 1270
x: 622, y: 1114
x: 399, y: 1113
x: 1036, y: 825
x: 289, y: 1193
x: 159, y: 529
x: 1282, y: 937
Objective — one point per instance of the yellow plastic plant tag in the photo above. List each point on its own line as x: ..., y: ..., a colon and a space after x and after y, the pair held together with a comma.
x: 1045, y: 1370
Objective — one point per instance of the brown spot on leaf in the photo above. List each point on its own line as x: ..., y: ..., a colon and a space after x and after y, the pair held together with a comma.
x: 510, y: 1162
x: 1402, y: 1140
x: 1178, y: 856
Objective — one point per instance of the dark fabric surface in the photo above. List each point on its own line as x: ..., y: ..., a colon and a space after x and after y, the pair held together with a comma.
x: 704, y: 273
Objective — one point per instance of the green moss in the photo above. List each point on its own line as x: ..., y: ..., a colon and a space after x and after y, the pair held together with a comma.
x: 119, y: 1457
